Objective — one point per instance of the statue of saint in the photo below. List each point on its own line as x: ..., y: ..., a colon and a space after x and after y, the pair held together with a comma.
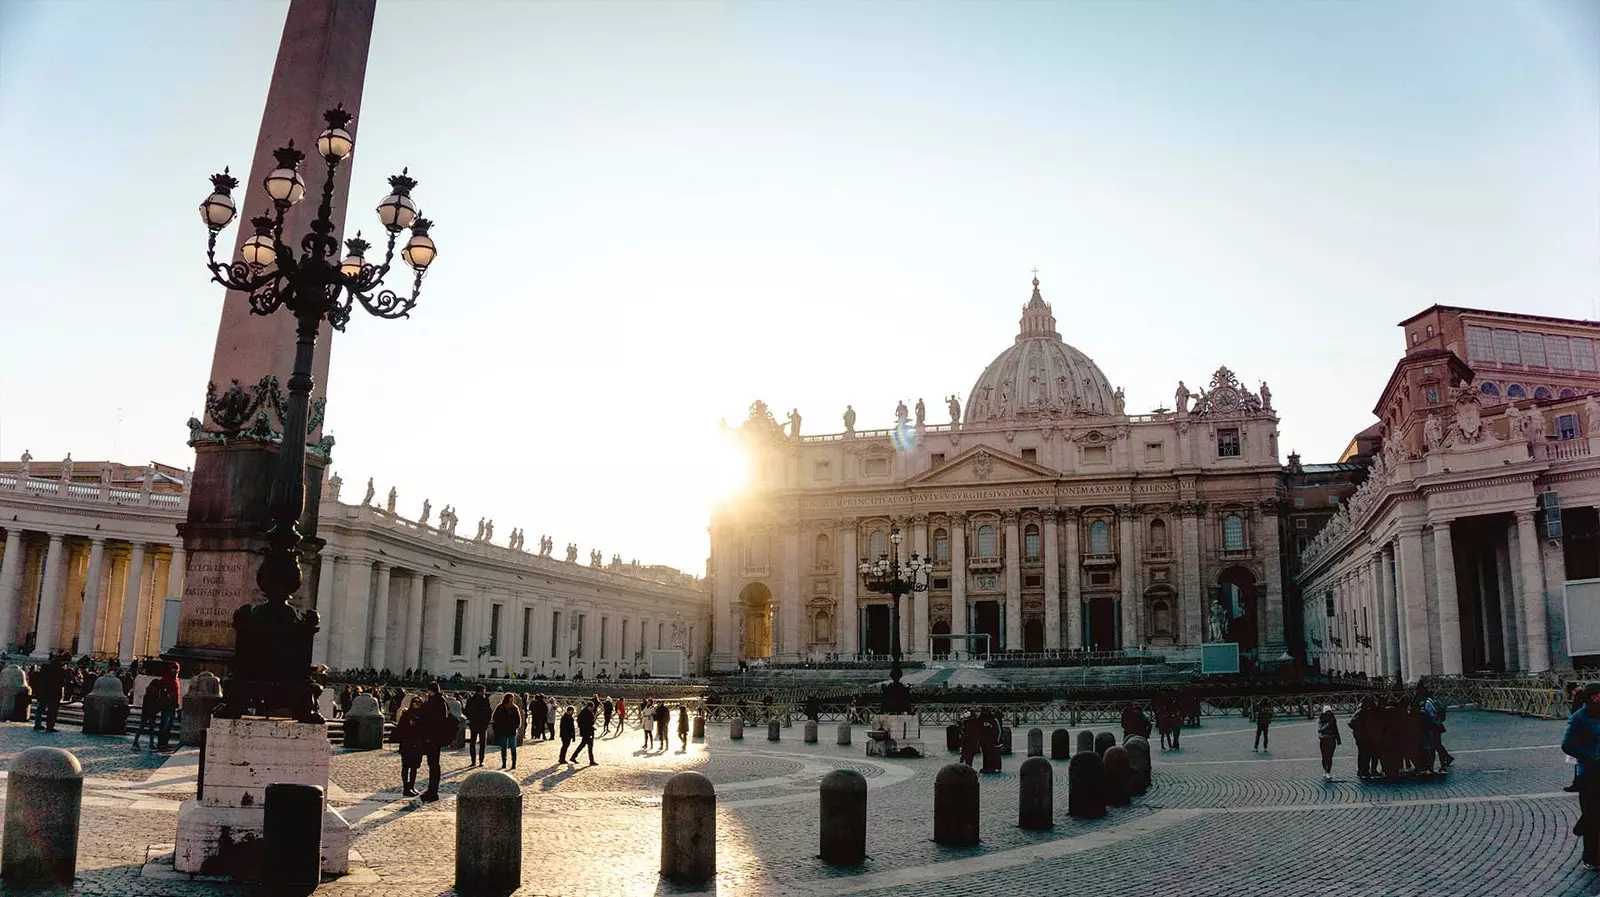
x: 66, y: 469
x: 427, y: 509
x: 371, y: 491
x: 849, y: 420
x: 1219, y: 621
x: 22, y: 472
x: 1433, y: 432
x: 1119, y: 402
x: 794, y: 423
x: 572, y: 552
x: 955, y: 409
x: 1266, y: 397
x: 900, y: 411
x: 478, y: 536
x: 334, y: 485
x: 488, y: 531
x: 394, y: 496
x: 1181, y: 398
x: 922, y: 413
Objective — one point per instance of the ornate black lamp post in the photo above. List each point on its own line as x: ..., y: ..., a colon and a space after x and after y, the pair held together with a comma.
x: 889, y: 575
x: 271, y: 669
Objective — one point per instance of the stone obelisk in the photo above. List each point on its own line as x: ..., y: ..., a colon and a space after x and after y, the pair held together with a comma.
x: 322, y: 63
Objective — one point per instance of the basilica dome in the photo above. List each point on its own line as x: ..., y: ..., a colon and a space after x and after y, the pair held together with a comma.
x: 1039, y: 375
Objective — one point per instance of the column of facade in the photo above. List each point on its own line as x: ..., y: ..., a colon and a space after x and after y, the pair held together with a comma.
x: 848, y: 621
x: 794, y: 646
x: 1380, y: 615
x: 435, y: 609
x: 74, y: 576
x: 1189, y: 523
x: 1388, y: 597
x: 175, y: 572
x: 724, y: 634
x: 1074, y: 569
x: 1512, y: 627
x: 1052, y: 582
x: 50, y: 598
x: 379, y: 632
x: 1272, y: 591
x: 10, y: 584
x: 352, y: 635
x: 1128, y: 569
x: 147, y: 638
x: 1535, y: 647
x: 132, y: 586
x: 327, y: 567
x: 1013, y: 568
x: 1413, y: 604
x: 413, y: 639
x: 958, y: 582
x: 919, y: 621
x: 1444, y: 561
x: 92, y: 587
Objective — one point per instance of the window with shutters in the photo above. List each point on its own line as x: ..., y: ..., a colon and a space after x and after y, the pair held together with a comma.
x: 877, y: 545
x: 456, y: 643
x: 941, y: 546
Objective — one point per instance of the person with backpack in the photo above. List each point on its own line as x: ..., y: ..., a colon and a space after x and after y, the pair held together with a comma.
x: 1434, y: 712
x: 1327, y: 740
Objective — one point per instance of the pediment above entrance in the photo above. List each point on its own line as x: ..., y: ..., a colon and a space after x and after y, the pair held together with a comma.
x: 983, y: 464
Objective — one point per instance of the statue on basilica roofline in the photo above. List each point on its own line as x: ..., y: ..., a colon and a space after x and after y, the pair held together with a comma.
x: 572, y: 552
x: 1266, y: 397
x: 922, y: 413
x: 427, y: 510
x: 955, y: 410
x: 1181, y: 398
x: 900, y: 412
x: 849, y: 424
x: 22, y: 471
x: 334, y: 484
x: 478, y: 536
x: 394, y: 496
x: 488, y: 531
x: 371, y: 491
x: 794, y: 423
x: 1119, y: 402
x: 66, y: 469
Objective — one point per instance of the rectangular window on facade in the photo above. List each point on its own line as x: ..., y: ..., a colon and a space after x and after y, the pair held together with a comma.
x: 1030, y: 454
x: 1559, y: 352
x: 1153, y: 452
x: 1506, y: 347
x: 624, y: 640
x: 555, y: 633
x: 941, y: 548
x: 1480, y: 344
x: 605, y: 624
x: 1533, y: 349
x: 1299, y: 523
x: 938, y: 459
x: 1233, y: 533
x: 1299, y: 502
x: 1583, y: 353
x: 822, y: 470
x: 1228, y: 443
x: 527, y: 631
x: 1095, y: 454
x: 1566, y: 426
x: 494, y: 630
x: 1032, y: 545
x: 875, y: 467
x: 661, y: 635
x: 578, y: 646
x: 941, y: 583
x: 1032, y: 580
x: 461, y: 627
x: 1327, y: 600
x: 1099, y: 579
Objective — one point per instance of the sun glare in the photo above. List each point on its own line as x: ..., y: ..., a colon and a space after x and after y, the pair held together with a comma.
x: 724, y: 469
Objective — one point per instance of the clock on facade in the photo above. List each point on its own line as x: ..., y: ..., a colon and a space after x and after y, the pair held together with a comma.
x: 1225, y: 398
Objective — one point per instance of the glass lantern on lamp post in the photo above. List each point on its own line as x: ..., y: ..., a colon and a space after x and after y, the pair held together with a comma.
x: 892, y: 576
x: 270, y: 674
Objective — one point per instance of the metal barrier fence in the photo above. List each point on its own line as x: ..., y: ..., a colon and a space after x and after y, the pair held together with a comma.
x: 1545, y: 703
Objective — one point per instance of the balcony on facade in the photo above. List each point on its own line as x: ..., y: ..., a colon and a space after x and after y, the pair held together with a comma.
x: 757, y: 570
x: 1100, y: 560
x: 822, y: 567
x: 982, y: 564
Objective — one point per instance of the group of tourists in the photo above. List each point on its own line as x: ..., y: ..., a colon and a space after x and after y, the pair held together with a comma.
x: 1395, y: 736
x: 980, y: 736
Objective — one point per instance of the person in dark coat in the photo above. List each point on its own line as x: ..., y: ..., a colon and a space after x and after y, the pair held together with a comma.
x: 569, y: 730
x: 1362, y: 728
x: 971, y: 737
x: 990, y: 739
x: 1581, y: 742
x: 813, y: 707
x: 412, y: 736
x: 1391, y: 740
x: 539, y: 714
x: 607, y: 708
x: 440, y: 729
x: 663, y: 716
x: 507, y: 720
x: 683, y: 726
x: 1263, y: 723
x: 1134, y: 722
x: 48, y: 684
x: 477, y: 712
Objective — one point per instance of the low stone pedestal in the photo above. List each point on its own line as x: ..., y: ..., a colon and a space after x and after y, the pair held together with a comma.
x: 221, y: 833
x: 199, y: 699
x: 15, y: 695
x: 896, y: 735
x: 105, y: 709
x: 363, y: 724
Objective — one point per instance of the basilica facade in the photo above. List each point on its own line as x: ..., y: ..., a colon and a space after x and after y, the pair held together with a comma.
x: 1054, y: 520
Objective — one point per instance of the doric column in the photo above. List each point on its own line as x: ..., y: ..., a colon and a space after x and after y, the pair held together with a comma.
x: 1070, y: 518
x: 849, y: 619
x: 918, y: 649
x: 327, y: 569
x: 958, y: 581
x: 1535, y: 647
x: 1052, y: 581
x: 789, y: 610
x: 1413, y: 605
x: 379, y: 633
x: 1193, y: 598
x: 175, y: 572
x: 351, y: 636
x: 91, y: 596
x: 1389, y: 596
x: 1444, y: 565
x: 1512, y: 628
x: 413, y: 630
x: 1013, y: 562
x: 50, y: 597
x: 1271, y: 598
x: 724, y: 629
x: 1128, y: 569
x: 439, y: 610
x: 1380, y: 635
x: 10, y: 582
x: 132, y: 587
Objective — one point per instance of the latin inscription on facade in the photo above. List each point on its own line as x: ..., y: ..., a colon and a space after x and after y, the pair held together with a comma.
x: 218, y: 583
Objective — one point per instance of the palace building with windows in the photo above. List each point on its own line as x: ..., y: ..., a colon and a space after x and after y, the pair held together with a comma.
x: 1055, y: 520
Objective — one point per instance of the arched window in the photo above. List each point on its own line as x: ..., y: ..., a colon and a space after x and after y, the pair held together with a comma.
x: 1542, y: 392
x: 1031, y: 543
x: 822, y: 627
x: 986, y: 542
x: 941, y: 546
x: 1099, y: 537
x: 1233, y: 533
x: 1158, y: 535
x: 757, y: 556
x: 1515, y: 391
x: 1489, y: 388
x: 877, y: 545
x: 823, y: 550
x: 1568, y: 392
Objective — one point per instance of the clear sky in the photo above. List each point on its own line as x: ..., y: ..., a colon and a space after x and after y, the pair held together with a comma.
x: 651, y: 214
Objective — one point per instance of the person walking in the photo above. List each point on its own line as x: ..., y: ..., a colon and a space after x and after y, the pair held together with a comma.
x: 507, y: 720
x: 412, y: 736
x: 170, y: 714
x: 1581, y: 742
x: 1574, y: 695
x: 585, y: 733
x: 683, y: 727
x: 1327, y: 740
x: 569, y: 730
x: 1433, y: 710
x: 439, y: 729
x: 1263, y: 721
x: 477, y: 712
x: 154, y: 704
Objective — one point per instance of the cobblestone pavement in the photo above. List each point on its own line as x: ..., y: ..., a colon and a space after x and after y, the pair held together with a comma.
x: 1220, y: 820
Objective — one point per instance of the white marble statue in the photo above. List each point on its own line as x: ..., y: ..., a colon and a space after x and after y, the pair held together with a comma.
x: 1433, y: 432
x: 371, y: 491
x: 1181, y: 398
x: 1219, y: 621
x: 1266, y: 397
x: 922, y: 413
x: 66, y: 469
x: 1119, y: 402
x: 794, y: 423
x: 849, y: 419
x: 394, y: 496
x: 900, y: 412
x: 334, y: 485
x: 955, y: 410
x: 427, y: 509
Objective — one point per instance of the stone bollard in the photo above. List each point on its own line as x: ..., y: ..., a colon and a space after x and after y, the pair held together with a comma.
x: 1036, y: 800
x: 291, y: 836
x: 202, y: 695
x: 1085, y: 741
x: 1036, y: 742
x: 1103, y: 741
x: 1086, y: 796
x: 689, y: 829
x: 699, y: 727
x: 1138, y: 748
x: 363, y: 724
x: 44, y: 799
x: 15, y: 695
x: 955, y: 806
x: 1061, y: 745
x: 488, y: 834
x: 774, y: 731
x: 736, y: 729
x: 1005, y: 741
x: 952, y: 738
x: 105, y: 709
x: 844, y: 818
x: 844, y: 734
x: 1118, y: 776
x: 811, y: 731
